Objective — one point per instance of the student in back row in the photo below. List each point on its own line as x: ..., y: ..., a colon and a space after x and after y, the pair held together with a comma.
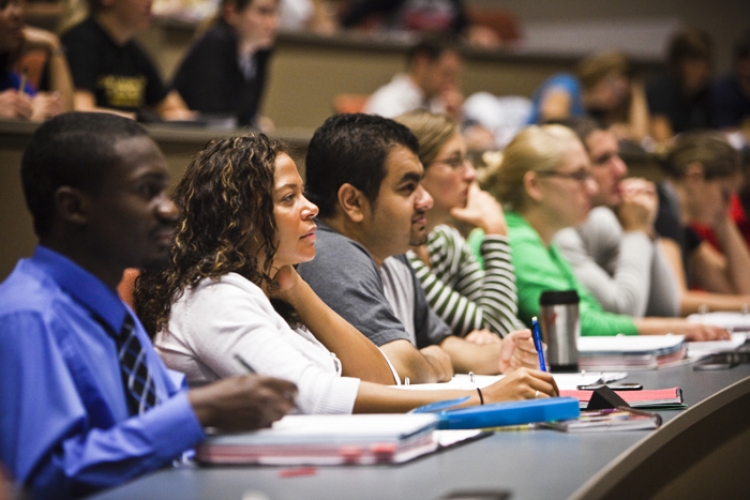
x: 225, y: 71
x: 20, y: 48
x: 364, y: 174
x: 111, y: 72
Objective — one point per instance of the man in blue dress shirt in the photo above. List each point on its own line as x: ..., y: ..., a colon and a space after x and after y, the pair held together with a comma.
x: 86, y: 402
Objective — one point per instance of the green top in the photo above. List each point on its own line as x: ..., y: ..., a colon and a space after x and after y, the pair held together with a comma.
x: 539, y: 268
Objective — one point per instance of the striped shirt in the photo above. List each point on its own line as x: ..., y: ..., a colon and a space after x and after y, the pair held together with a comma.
x: 463, y: 294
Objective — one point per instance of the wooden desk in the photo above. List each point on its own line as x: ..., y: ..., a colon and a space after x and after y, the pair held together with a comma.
x: 179, y: 144
x: 702, y: 452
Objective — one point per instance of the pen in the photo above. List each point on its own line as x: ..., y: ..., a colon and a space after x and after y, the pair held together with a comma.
x: 250, y: 369
x: 538, y: 343
x: 244, y: 363
x: 22, y: 83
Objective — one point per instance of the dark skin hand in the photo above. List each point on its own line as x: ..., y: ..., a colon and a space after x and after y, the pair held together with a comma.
x: 242, y: 403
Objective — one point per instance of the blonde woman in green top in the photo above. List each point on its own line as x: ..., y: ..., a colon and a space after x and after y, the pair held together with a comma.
x: 545, y: 181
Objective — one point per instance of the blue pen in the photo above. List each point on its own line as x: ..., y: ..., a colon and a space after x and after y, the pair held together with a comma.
x: 537, y: 334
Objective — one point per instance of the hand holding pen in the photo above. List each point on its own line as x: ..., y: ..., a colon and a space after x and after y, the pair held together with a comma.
x: 289, y: 395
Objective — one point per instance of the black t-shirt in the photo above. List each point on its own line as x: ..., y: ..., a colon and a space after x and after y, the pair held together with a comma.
x: 210, y: 81
x: 120, y: 77
x: 665, y: 97
x: 730, y: 104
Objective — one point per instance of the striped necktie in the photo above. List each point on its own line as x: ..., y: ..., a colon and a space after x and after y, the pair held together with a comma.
x: 139, y: 386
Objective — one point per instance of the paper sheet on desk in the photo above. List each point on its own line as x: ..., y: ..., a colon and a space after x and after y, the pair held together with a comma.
x: 564, y: 381
x: 698, y: 350
x: 737, y: 321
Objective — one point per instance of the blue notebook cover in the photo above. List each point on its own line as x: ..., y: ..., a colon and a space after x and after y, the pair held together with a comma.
x: 515, y: 413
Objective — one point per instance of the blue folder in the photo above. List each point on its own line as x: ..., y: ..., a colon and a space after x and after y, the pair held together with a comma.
x: 499, y: 414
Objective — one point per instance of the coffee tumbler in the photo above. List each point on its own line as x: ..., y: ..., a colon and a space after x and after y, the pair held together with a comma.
x: 561, y: 327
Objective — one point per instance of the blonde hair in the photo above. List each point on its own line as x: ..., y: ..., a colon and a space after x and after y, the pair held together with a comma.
x: 432, y: 131
x: 538, y: 148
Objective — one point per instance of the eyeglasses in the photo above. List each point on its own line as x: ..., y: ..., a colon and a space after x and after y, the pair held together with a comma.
x: 454, y: 162
x: 579, y: 175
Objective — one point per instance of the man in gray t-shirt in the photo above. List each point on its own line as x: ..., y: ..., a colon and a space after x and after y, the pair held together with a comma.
x: 364, y: 174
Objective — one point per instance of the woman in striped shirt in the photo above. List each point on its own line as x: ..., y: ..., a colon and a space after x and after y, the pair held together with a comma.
x: 479, y: 304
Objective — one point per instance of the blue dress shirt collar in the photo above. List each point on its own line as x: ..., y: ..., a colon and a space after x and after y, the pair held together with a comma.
x: 84, y: 287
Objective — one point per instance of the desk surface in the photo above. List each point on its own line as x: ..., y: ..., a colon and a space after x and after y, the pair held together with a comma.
x: 504, y: 461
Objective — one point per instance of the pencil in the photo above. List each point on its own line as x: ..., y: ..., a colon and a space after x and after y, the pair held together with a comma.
x: 22, y: 83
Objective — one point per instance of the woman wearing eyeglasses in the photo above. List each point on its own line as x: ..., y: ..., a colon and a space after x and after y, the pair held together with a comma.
x: 545, y: 180
x: 479, y: 304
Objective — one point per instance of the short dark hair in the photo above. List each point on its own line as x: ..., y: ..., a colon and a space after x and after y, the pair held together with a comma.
x: 73, y: 149
x: 431, y: 47
x: 707, y: 147
x: 351, y: 148
x: 692, y: 43
x: 583, y: 126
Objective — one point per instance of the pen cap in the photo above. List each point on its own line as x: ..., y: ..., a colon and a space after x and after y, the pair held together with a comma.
x: 560, y: 322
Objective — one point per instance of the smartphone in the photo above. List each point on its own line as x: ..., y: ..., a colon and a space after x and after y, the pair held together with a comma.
x: 477, y: 495
x: 619, y: 386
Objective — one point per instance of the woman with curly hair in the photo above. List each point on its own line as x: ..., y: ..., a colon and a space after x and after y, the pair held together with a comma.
x: 231, y: 290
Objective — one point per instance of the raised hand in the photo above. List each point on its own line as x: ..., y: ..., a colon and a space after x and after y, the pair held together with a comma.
x: 639, y: 206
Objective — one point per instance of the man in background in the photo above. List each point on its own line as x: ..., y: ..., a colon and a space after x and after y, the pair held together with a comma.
x: 431, y: 83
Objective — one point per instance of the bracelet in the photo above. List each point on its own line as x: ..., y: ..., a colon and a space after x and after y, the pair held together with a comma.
x: 481, y: 398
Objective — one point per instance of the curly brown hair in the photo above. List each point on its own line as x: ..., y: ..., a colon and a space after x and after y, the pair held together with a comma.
x: 225, y: 200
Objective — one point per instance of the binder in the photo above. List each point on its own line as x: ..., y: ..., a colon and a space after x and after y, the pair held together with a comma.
x: 655, y: 399
x: 512, y: 413
x: 327, y: 440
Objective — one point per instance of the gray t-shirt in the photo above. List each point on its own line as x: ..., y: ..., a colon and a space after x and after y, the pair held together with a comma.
x: 346, y: 277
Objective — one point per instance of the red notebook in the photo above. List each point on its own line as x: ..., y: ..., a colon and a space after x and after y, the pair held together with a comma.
x: 655, y: 399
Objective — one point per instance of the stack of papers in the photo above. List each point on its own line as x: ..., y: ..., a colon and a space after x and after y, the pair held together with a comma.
x: 615, y: 419
x: 327, y: 440
x: 461, y: 381
x: 630, y: 352
x: 699, y: 350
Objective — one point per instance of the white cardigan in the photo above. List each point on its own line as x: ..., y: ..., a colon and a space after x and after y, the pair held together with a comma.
x: 220, y: 318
